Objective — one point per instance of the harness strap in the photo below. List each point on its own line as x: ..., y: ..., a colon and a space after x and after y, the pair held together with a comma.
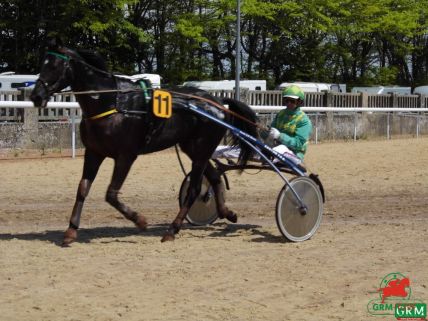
x: 106, y: 113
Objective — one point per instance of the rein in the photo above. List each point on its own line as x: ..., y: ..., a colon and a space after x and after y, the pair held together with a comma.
x: 221, y: 107
x: 68, y: 57
x: 94, y: 92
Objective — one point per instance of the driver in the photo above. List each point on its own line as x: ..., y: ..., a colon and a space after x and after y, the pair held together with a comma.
x: 291, y: 127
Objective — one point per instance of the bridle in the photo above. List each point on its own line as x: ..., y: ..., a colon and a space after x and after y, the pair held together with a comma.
x: 67, y: 57
x: 50, y: 89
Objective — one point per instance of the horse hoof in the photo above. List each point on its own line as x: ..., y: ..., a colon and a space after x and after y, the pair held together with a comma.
x: 69, y: 237
x: 232, y: 217
x: 168, y: 237
x: 141, y: 223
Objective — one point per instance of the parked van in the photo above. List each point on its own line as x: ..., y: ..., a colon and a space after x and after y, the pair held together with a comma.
x: 314, y: 87
x: 9, y: 81
x: 422, y: 90
x: 227, y: 84
x: 383, y: 90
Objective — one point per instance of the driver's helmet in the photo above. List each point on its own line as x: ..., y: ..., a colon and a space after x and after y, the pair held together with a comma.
x: 294, y: 92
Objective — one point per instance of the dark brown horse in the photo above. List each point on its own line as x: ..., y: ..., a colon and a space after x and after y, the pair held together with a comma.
x: 118, y: 122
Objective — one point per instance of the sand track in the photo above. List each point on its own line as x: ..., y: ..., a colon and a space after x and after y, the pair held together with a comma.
x: 376, y: 222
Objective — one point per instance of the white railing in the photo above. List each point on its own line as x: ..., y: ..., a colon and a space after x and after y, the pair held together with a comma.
x: 415, y: 112
x: 316, y: 111
x: 267, y: 109
x: 29, y: 104
x: 256, y: 108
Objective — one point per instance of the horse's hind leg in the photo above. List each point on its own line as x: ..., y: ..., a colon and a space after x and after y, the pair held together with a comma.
x: 122, y: 165
x: 214, y: 177
x: 193, y: 191
x: 91, y: 165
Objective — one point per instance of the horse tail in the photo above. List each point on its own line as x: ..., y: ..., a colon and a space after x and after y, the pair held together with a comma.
x: 247, y: 124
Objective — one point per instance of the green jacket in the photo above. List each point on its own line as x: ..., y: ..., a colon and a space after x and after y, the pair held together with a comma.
x: 296, y: 128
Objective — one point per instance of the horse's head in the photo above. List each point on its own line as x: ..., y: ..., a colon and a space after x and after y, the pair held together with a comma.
x: 54, y: 75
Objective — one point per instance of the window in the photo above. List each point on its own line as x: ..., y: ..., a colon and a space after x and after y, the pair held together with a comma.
x: 17, y: 85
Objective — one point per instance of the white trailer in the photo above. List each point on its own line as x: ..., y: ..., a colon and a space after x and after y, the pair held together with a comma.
x: 9, y: 81
x: 227, y: 84
x: 314, y: 87
x: 383, y: 90
x: 422, y: 90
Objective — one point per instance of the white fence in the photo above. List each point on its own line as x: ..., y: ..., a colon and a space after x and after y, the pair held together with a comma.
x: 265, y: 111
x: 269, y: 98
x: 418, y: 113
x: 68, y: 106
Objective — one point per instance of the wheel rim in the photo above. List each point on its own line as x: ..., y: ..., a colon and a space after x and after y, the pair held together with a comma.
x: 203, y: 210
x: 292, y: 224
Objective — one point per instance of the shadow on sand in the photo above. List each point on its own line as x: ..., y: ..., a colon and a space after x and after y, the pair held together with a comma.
x: 86, y: 235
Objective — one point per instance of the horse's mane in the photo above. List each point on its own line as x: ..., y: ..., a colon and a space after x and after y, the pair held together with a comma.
x: 93, y: 58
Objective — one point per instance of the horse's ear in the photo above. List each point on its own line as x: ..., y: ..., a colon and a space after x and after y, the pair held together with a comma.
x: 54, y: 42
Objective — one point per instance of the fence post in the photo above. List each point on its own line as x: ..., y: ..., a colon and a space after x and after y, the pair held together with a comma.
x: 394, y: 103
x: 31, y: 122
x: 73, y: 135
x: 316, y: 128
x: 394, y: 100
x: 421, y: 101
x: 328, y: 102
x: 244, y: 95
x: 363, y: 102
x: 421, y: 105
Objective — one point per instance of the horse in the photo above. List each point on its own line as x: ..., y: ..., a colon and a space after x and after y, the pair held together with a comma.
x: 118, y: 123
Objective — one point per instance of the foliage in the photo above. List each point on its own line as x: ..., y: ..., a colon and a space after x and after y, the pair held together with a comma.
x: 347, y: 41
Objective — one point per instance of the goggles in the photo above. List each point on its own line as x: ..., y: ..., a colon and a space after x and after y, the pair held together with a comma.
x: 289, y: 100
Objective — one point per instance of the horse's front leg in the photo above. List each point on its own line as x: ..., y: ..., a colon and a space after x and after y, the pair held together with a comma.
x: 214, y: 178
x: 122, y: 165
x: 91, y: 165
x: 192, y: 193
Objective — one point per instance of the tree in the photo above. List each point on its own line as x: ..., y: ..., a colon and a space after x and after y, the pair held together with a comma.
x: 103, y: 25
x: 348, y: 41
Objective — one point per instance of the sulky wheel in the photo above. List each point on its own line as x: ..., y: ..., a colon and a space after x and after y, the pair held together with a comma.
x: 297, y: 225
x: 203, y: 210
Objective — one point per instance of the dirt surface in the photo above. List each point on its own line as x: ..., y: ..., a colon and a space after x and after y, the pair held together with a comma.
x: 375, y: 222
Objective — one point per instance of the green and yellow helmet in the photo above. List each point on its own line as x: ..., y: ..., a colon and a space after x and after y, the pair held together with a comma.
x: 294, y: 92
